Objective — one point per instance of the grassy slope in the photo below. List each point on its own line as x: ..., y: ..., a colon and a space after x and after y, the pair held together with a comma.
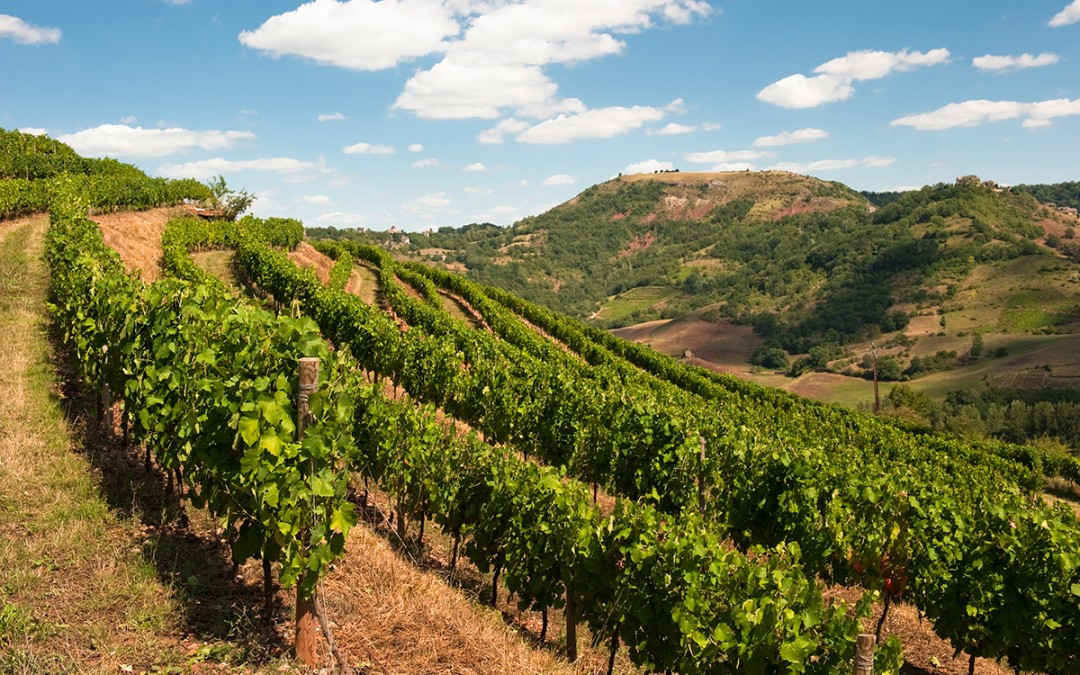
x: 76, y: 591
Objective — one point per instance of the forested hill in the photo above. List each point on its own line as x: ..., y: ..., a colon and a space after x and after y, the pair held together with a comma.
x: 806, y: 261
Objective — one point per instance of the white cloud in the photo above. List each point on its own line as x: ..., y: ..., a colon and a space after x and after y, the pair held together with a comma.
x: 359, y: 35
x: 835, y: 78
x: 34, y: 131
x: 497, y: 133
x: 501, y: 214
x: 416, y: 147
x: 425, y: 163
x: 559, y: 179
x: 129, y: 119
x: 649, y: 166
x: 208, y: 168
x: 125, y: 141
x: 331, y: 117
x: 340, y: 218
x: 18, y: 30
x: 599, y: 123
x: 675, y: 129
x: 475, y: 166
x: 726, y: 156
x: 368, y: 149
x: 791, y: 137
x: 1069, y: 15
x: 316, y: 199
x: 478, y: 191
x: 498, y: 63
x: 975, y: 112
x: 1000, y: 63
x: 870, y: 162
x: 427, y: 205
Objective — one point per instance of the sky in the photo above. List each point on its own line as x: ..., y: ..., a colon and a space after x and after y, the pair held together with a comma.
x: 428, y: 113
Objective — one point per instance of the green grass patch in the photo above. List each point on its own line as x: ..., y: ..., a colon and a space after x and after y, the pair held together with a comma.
x: 636, y: 299
x: 1023, y: 313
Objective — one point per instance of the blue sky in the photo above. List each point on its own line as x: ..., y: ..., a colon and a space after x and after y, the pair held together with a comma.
x: 422, y: 113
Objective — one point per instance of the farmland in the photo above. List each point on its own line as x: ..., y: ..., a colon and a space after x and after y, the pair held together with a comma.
x: 683, y: 520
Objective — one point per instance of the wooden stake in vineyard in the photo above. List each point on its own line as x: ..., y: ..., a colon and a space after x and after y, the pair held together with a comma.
x: 864, y: 655
x: 306, y: 626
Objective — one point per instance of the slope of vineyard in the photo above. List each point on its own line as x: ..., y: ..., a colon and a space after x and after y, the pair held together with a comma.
x: 734, y: 506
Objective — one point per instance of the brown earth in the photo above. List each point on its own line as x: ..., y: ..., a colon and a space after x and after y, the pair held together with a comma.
x: 307, y: 257
x: 136, y: 236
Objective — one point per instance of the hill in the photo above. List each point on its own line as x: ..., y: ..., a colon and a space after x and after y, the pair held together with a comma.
x: 807, y: 264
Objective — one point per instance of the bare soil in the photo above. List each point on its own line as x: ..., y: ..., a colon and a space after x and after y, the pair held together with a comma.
x: 136, y: 236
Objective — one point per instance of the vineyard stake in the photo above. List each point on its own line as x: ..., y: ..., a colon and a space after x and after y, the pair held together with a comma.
x: 571, y: 626
x: 305, y: 607
x: 701, y: 475
x: 864, y: 655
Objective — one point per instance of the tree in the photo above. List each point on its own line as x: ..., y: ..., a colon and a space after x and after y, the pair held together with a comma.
x: 231, y: 202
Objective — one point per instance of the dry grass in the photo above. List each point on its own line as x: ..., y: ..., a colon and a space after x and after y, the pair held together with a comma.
x: 136, y: 236
x: 307, y: 257
x: 221, y: 265
x: 77, y: 595
x: 924, y: 651
x: 395, y: 618
x: 363, y: 283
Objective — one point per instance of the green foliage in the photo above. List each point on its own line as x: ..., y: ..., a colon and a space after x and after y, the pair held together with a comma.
x: 231, y: 202
x: 1059, y: 194
x: 771, y: 356
x: 211, y: 383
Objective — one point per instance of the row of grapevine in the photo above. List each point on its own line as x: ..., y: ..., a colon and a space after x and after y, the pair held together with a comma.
x: 667, y: 588
x: 101, y: 192
x: 866, y: 500
x: 210, y: 386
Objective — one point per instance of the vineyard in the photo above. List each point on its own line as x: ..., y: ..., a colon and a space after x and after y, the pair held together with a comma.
x: 733, y: 508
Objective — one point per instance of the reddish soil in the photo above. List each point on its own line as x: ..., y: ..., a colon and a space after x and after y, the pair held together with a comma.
x: 639, y: 243
x: 308, y: 257
x: 136, y: 236
x: 795, y: 209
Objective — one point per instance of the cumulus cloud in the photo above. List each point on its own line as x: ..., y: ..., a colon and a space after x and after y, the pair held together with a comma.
x: 331, y: 117
x: 1069, y: 15
x: 497, y: 133
x: 416, y: 147
x: 835, y: 79
x: 368, y: 149
x: 676, y: 129
x: 559, y: 179
x: 359, y: 35
x: 126, y: 141
x: 18, y: 30
x: 870, y: 162
x: 425, y: 163
x: 429, y: 204
x: 725, y: 156
x: 598, y: 123
x: 316, y: 199
x: 791, y: 137
x: 648, y: 166
x: 975, y: 112
x: 34, y: 131
x: 478, y: 191
x: 475, y: 166
x: 340, y: 218
x: 991, y: 62
x: 287, y: 166
x: 492, y: 53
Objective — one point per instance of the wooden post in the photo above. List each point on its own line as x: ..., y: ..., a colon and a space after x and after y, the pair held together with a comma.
x: 571, y: 626
x: 306, y: 621
x: 107, y: 417
x: 877, y: 398
x: 701, y: 475
x: 864, y: 655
